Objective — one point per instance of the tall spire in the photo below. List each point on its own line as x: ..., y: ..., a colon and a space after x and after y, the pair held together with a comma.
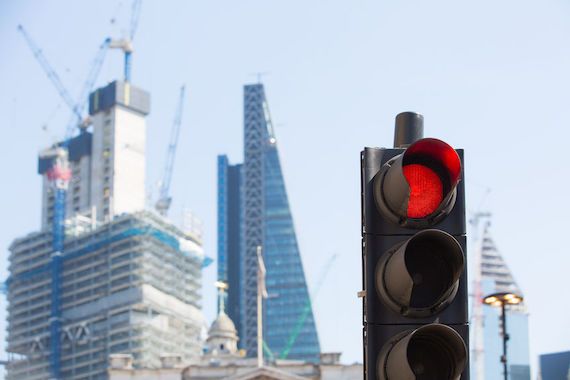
x: 494, y: 267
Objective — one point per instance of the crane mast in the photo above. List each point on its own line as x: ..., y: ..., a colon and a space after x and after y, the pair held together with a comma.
x: 126, y: 44
x: 59, y: 175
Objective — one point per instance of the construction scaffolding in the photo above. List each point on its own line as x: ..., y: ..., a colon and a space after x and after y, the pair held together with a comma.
x: 128, y: 286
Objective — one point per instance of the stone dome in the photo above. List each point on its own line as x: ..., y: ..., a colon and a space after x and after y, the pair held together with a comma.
x: 222, y: 336
x: 223, y: 326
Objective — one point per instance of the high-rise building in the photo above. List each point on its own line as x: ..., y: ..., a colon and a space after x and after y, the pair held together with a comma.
x: 496, y: 277
x: 130, y: 281
x: 253, y: 211
x: 555, y: 366
x: 108, y: 165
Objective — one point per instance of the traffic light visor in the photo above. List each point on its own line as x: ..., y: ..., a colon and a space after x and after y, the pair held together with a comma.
x: 421, y: 276
x: 419, y: 184
x: 430, y: 352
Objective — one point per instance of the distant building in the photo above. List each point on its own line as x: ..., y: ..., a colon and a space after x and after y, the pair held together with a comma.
x: 222, y: 360
x: 497, y: 277
x: 109, y: 164
x: 253, y: 210
x: 130, y: 281
x: 555, y: 366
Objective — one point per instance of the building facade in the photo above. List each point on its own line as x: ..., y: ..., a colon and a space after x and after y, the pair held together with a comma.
x: 222, y: 360
x: 128, y: 281
x: 109, y: 163
x: 496, y: 277
x: 555, y: 366
x: 255, y: 206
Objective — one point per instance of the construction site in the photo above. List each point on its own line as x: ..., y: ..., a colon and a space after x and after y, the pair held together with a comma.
x: 104, y: 274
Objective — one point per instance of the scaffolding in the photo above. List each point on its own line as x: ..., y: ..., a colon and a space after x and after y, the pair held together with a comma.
x: 129, y: 286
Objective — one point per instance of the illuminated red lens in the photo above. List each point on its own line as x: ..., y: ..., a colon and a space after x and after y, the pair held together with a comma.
x: 426, y: 190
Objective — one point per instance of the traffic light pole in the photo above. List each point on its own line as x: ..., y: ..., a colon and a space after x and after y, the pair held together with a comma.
x: 415, y: 315
x: 505, y: 339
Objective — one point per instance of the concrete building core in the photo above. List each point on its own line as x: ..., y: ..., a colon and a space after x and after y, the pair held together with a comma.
x: 108, y: 164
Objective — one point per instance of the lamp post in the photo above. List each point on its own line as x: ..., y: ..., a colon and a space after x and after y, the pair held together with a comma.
x: 501, y: 300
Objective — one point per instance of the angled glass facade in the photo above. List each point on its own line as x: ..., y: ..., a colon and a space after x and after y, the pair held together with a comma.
x: 263, y: 218
x: 497, y: 277
x: 229, y: 232
x: 288, y: 312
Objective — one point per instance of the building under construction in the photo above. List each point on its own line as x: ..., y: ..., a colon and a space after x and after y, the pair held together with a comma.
x: 127, y: 281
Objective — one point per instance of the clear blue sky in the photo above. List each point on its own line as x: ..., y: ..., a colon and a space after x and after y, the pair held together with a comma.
x: 491, y: 77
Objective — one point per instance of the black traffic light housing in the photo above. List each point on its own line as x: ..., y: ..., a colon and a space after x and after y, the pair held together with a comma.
x: 415, y: 313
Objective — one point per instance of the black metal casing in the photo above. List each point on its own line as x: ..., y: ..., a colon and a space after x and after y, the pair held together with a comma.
x: 380, y: 235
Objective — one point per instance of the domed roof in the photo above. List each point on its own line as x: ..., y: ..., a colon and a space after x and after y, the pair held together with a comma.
x: 223, y: 326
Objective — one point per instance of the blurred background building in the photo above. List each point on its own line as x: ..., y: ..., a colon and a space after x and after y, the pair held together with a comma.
x: 129, y: 281
x: 555, y: 366
x: 494, y: 276
x: 222, y: 360
x: 253, y: 211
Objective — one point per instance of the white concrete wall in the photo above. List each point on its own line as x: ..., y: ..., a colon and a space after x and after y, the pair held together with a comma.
x: 102, y: 164
x: 118, y: 165
x: 129, y: 162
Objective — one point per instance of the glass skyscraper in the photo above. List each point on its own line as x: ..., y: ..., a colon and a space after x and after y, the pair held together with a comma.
x: 555, y: 366
x: 253, y: 210
x: 496, y: 277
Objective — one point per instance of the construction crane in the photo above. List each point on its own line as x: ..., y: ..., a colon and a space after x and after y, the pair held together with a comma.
x: 126, y: 44
x: 52, y: 75
x: 306, y: 311
x: 164, y: 200
x: 59, y: 175
x: 77, y: 107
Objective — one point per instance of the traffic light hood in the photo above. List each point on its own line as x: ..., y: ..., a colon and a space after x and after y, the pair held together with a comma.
x: 433, y: 351
x: 420, y: 277
x: 417, y: 188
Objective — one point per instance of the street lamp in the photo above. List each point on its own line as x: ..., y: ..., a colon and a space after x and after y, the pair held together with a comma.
x: 501, y: 300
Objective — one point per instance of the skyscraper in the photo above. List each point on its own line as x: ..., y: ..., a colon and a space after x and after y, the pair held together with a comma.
x: 253, y: 210
x: 496, y: 277
x: 130, y: 281
x: 555, y: 366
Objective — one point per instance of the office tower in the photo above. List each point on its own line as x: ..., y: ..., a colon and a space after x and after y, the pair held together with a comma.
x: 555, y: 366
x: 130, y: 281
x: 496, y: 277
x: 253, y: 211
x: 230, y: 232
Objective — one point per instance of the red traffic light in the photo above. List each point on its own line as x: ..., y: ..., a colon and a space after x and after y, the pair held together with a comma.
x: 417, y: 188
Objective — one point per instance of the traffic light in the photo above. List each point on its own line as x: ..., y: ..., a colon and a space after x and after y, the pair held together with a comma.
x: 414, y: 258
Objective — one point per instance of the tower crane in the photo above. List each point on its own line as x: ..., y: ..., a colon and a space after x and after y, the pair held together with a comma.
x: 52, y: 75
x: 306, y: 310
x: 59, y: 175
x: 76, y: 107
x: 126, y: 44
x: 164, y: 200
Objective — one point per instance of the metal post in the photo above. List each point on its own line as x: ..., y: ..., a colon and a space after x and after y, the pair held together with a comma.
x: 409, y: 129
x: 505, y: 338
